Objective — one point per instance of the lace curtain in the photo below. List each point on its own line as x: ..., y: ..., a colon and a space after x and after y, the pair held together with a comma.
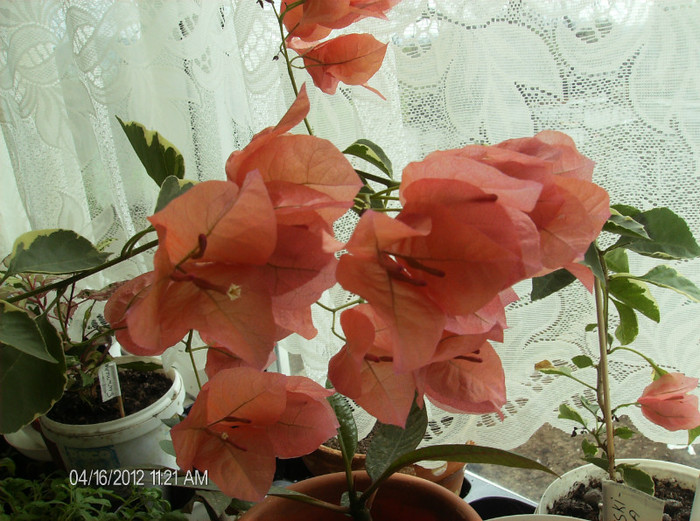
x: 621, y: 77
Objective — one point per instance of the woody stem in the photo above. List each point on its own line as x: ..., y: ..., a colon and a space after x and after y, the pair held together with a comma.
x: 603, y: 391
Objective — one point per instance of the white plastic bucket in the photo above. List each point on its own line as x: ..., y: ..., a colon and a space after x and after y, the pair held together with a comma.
x: 129, y: 442
x: 686, y: 476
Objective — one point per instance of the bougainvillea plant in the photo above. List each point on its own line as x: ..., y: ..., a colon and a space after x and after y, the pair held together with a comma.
x: 432, y: 261
x: 656, y: 233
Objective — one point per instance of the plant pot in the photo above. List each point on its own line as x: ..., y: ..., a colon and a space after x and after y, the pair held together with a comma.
x: 534, y: 517
x: 401, y: 497
x: 326, y: 460
x: 129, y: 442
x: 684, y: 475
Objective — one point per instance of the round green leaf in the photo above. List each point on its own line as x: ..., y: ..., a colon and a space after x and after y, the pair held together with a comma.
x: 53, y: 251
x: 28, y: 386
x: 20, y: 332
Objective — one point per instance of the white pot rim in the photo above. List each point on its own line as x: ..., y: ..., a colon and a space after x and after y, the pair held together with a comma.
x: 686, y: 476
x: 129, y: 421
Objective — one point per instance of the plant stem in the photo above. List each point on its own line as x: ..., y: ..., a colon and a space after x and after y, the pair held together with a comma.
x: 84, y: 274
x: 288, y: 62
x: 601, y: 304
x: 188, y: 349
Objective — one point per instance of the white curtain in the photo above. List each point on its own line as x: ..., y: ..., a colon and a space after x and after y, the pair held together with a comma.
x: 621, y: 77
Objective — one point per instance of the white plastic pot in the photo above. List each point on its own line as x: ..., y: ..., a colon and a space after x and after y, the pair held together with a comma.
x: 534, y: 517
x: 686, y: 476
x: 129, y: 442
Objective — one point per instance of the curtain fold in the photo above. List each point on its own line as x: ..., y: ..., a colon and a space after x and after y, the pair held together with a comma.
x: 621, y: 77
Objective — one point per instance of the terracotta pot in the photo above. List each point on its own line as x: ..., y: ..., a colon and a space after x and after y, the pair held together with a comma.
x: 685, y: 476
x: 400, y: 498
x: 326, y: 460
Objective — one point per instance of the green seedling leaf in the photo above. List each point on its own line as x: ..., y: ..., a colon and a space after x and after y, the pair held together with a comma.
x: 171, y: 188
x: 624, y: 432
x: 592, y: 260
x: 390, y: 442
x: 635, y: 294
x: 568, y: 413
x: 670, y: 237
x: 636, y: 478
x: 551, y: 283
x: 589, y: 448
x: 666, y: 277
x: 347, y: 432
x: 29, y: 386
x: 19, y: 331
x: 53, y: 251
x: 159, y: 156
x: 372, y: 153
x: 628, y: 329
x: 617, y: 260
x: 582, y: 361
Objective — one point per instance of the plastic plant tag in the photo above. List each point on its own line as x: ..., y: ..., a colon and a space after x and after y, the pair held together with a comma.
x: 623, y: 503
x: 109, y: 381
x: 695, y: 511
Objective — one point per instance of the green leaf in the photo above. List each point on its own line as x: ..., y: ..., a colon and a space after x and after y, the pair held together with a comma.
x: 582, y: 361
x: 692, y: 434
x: 589, y: 448
x: 598, y: 462
x: 635, y: 294
x: 625, y: 209
x: 464, y: 454
x: 366, y: 193
x: 628, y: 328
x: 390, y: 442
x: 372, y: 153
x: 218, y: 502
x: 347, y: 432
x: 670, y: 236
x: 592, y: 260
x: 159, y: 156
x: 18, y: 330
x: 568, y: 413
x: 624, y: 225
x: 171, y: 188
x: 666, y: 277
x: 636, y: 478
x: 28, y: 386
x: 167, y: 447
x: 551, y: 283
x: 144, y: 367
x: 617, y: 260
x: 624, y: 432
x: 53, y: 251
x: 590, y: 406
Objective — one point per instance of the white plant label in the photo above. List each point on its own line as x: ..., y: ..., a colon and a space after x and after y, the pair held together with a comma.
x: 623, y: 503
x: 695, y: 512
x: 109, y: 381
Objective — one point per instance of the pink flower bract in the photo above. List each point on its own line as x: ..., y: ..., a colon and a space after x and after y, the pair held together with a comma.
x: 243, y: 419
x: 666, y: 402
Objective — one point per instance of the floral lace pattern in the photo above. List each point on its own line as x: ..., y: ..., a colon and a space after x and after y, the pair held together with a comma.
x: 622, y: 78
